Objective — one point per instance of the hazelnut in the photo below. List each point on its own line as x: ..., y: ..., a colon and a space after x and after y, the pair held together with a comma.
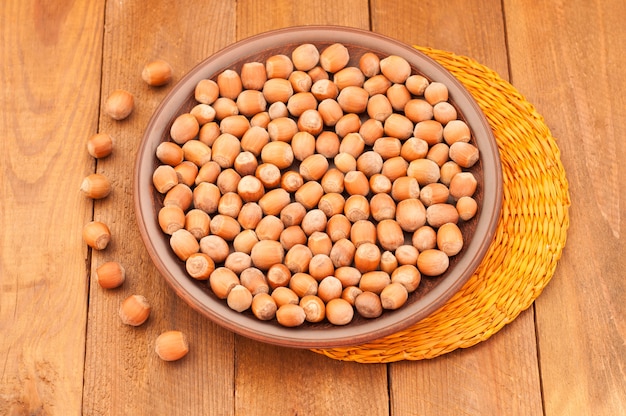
x: 432, y: 262
x: 97, y: 235
x: 368, y: 305
x: 339, y: 311
x: 200, y: 266
x: 164, y: 178
x: 96, y: 186
x: 314, y: 308
x: 100, y: 145
x: 171, y: 345
x: 184, y: 244
x: 239, y: 298
x: 254, y: 280
x: 134, y: 310
x: 157, y: 73
x: 119, y: 104
x: 110, y: 275
x: 393, y: 296
x: 290, y: 315
x: 263, y: 306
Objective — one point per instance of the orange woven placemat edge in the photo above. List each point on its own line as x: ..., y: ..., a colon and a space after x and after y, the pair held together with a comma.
x: 530, y: 236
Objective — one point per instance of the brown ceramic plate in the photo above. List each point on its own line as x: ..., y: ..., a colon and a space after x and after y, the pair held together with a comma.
x: 432, y: 293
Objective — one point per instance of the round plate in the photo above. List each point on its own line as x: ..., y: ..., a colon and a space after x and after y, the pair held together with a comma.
x: 432, y: 293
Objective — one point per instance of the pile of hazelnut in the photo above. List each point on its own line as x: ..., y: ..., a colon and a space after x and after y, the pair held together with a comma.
x: 135, y: 309
x: 305, y: 189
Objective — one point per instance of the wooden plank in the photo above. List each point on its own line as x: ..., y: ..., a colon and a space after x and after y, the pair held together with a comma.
x: 123, y: 375
x: 496, y: 377
x: 274, y: 380
x: 50, y: 72
x: 568, y: 68
x: 255, y: 17
x: 471, y: 31
x: 505, y: 365
x: 281, y: 381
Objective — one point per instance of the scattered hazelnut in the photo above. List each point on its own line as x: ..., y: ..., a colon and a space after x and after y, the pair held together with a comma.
x: 171, y: 345
x: 119, y: 104
x: 97, y: 235
x: 96, y: 186
x: 100, y: 145
x: 110, y: 275
x: 134, y: 310
x: 157, y: 73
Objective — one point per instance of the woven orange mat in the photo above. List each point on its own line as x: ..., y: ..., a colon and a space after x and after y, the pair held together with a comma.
x: 530, y: 235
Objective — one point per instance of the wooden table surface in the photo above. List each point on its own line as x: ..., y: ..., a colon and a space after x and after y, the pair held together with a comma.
x: 63, y: 351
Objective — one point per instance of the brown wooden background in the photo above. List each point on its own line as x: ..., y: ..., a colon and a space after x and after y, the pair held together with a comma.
x: 62, y: 349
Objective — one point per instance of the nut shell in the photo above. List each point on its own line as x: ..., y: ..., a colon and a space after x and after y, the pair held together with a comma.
x: 198, y: 223
x: 334, y: 57
x: 390, y: 235
x: 329, y: 288
x: 157, y: 73
x: 339, y: 312
x: 206, y: 91
x: 290, y: 315
x: 171, y: 345
x: 239, y: 298
x: 343, y: 251
x: 97, y: 235
x: 408, y: 276
x: 100, y: 145
x: 200, y: 266
x: 466, y: 207
x: 465, y: 154
x: 184, y: 244
x: 184, y: 128
x: 253, y: 75
x: 110, y: 275
x: 395, y: 68
x: 369, y: 63
x: 222, y: 280
x: 266, y: 253
x: 368, y: 305
x: 119, y: 104
x: 186, y: 172
x: 433, y: 262
x: 374, y: 281
x: 134, y: 310
x: 204, y: 113
x: 229, y: 83
x: 254, y: 280
x: 264, y: 307
x: 305, y: 56
x: 169, y: 153
x: 314, y: 308
x: 303, y: 284
x: 171, y: 218
x: 449, y: 239
x: 394, y: 296
x: 96, y: 186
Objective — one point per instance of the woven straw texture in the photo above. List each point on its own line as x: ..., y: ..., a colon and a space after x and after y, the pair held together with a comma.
x: 530, y: 235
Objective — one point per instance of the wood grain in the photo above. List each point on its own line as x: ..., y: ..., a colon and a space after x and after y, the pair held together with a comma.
x: 496, y: 377
x: 255, y: 17
x: 44, y: 124
x: 278, y: 381
x: 474, y: 29
x: 118, y: 355
x: 63, y: 349
x: 564, y: 64
x: 505, y: 363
